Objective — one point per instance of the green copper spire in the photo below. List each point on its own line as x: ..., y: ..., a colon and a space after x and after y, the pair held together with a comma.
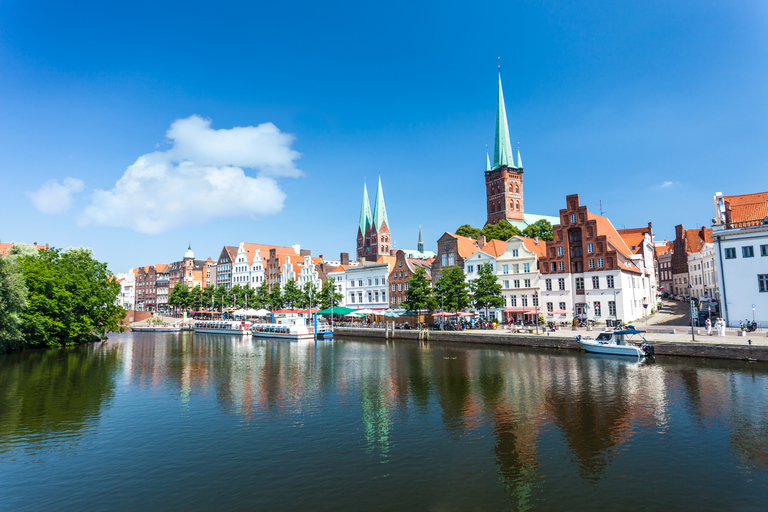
x: 502, y: 153
x: 379, y: 209
x: 365, y: 212
x: 420, y: 245
x: 487, y: 162
x: 519, y: 160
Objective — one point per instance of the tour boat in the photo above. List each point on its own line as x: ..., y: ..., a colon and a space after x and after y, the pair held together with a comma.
x: 290, y: 328
x: 618, y: 343
x: 237, y: 327
x: 156, y: 328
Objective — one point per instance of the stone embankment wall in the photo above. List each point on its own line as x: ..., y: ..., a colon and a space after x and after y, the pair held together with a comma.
x: 662, y: 348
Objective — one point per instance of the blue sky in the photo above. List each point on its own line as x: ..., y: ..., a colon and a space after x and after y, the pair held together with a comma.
x: 649, y: 108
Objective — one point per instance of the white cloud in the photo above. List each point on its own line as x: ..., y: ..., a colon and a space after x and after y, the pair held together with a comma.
x: 668, y: 184
x: 199, y: 179
x: 54, y: 197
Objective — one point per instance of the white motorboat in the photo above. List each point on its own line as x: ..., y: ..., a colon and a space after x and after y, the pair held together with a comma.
x: 627, y: 342
x: 156, y: 328
x: 236, y: 327
x: 290, y: 328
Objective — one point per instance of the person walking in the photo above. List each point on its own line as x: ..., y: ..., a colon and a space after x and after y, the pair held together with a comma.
x: 708, y: 325
x: 721, y: 327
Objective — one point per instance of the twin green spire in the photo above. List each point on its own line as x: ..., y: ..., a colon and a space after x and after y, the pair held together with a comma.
x: 379, y: 210
x: 502, y: 153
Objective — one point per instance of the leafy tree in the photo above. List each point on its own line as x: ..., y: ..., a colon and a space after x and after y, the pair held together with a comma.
x: 208, y: 295
x: 309, y: 296
x: 13, y: 300
x: 179, y: 296
x: 469, y: 231
x: 220, y: 297
x: 486, y: 290
x: 502, y: 230
x: 248, y: 295
x: 292, y: 296
x: 71, y: 298
x: 451, y: 290
x: 328, y: 296
x: 542, y: 228
x: 195, y: 298
x: 419, y: 294
x: 261, y: 299
x: 275, y: 297
x: 236, y: 296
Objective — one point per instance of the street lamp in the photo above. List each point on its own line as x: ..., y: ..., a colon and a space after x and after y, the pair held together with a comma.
x: 690, y: 301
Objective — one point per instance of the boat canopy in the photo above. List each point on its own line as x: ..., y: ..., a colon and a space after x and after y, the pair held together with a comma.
x: 629, y: 331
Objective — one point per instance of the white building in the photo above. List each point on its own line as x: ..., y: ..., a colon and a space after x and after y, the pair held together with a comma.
x: 486, y: 255
x: 127, y: 297
x: 701, y: 269
x: 740, y: 232
x: 364, y: 286
x: 249, y: 263
x: 518, y: 273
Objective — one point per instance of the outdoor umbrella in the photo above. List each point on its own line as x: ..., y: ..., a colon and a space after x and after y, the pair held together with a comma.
x: 339, y: 310
x: 367, y: 312
x: 390, y: 314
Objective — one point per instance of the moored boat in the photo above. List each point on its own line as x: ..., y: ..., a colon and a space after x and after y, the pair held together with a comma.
x: 236, y: 327
x: 627, y: 342
x: 285, y: 328
x: 156, y: 328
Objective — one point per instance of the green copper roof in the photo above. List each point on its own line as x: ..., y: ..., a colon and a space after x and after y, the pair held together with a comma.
x: 421, y: 242
x: 365, y: 212
x: 379, y: 209
x: 519, y: 160
x: 502, y: 153
x: 189, y: 254
x: 487, y: 162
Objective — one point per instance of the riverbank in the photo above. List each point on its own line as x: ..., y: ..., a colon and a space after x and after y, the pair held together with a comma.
x: 665, y: 344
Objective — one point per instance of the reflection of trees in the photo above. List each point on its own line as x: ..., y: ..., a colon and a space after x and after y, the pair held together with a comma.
x: 44, y: 393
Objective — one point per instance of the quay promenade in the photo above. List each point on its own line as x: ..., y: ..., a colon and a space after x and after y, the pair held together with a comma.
x: 665, y: 343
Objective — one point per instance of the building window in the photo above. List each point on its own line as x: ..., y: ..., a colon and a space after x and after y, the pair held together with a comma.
x: 611, y: 308
x: 513, y: 300
x: 384, y: 296
x: 561, y: 283
x: 352, y: 298
x: 561, y: 265
x: 596, y: 282
x: 360, y: 282
x: 526, y: 267
x: 590, y: 248
x: 505, y: 269
x: 730, y: 253
x: 548, y: 283
x: 506, y: 284
x: 524, y: 300
x: 553, y: 266
x: 579, y: 283
x: 517, y: 283
x: 597, y: 308
x: 573, y: 218
x: 550, y: 307
x: 609, y: 280
x: 445, y: 260
x: 600, y: 263
x: 747, y: 251
x: 591, y: 263
x: 515, y: 253
x: 762, y: 280
x: 393, y: 287
x: 527, y: 283
x: 559, y: 251
x: 764, y: 250
x: 470, y: 268
x: 515, y: 268
x: 451, y: 260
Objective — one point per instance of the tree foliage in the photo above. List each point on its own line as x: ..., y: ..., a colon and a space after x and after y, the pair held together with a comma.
x: 502, y: 230
x: 292, y: 295
x: 541, y: 228
x: 261, y: 298
x: 275, y: 297
x: 486, y: 289
x: 419, y: 294
x: 71, y: 298
x: 329, y: 297
x: 13, y: 300
x: 468, y: 231
x: 451, y: 290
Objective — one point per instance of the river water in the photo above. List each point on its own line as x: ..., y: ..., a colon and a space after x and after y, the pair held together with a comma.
x: 208, y: 422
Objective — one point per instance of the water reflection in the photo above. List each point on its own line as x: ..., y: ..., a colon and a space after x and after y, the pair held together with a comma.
x: 514, y: 410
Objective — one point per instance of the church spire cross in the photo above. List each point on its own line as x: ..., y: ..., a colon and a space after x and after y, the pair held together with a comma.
x: 379, y: 208
x: 502, y: 153
x: 365, y: 211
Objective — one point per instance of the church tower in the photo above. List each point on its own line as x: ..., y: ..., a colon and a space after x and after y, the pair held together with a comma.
x: 373, y: 236
x: 503, y: 180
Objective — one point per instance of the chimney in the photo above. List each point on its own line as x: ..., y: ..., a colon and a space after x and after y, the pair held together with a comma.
x: 536, y: 240
x: 344, y: 258
x: 305, y: 252
x: 481, y: 241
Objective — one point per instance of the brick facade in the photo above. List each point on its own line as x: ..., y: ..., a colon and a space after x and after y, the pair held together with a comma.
x: 504, y: 194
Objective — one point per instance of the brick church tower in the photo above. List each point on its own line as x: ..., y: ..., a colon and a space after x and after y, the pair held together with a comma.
x: 373, y: 236
x: 503, y: 181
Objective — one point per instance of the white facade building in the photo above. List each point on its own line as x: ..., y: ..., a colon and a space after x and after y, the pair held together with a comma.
x: 740, y: 231
x: 127, y: 297
x: 364, y: 287
x: 248, y: 266
x: 485, y: 256
x: 518, y: 273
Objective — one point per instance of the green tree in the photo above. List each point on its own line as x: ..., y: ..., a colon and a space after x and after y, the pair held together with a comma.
x: 236, y: 296
x: 309, y: 296
x: 486, y: 290
x: 541, y: 228
x: 179, y: 296
x: 248, y: 295
x: 469, y: 231
x: 502, y: 230
x: 208, y: 295
x: 292, y: 296
x: 13, y: 300
x: 71, y: 298
x: 419, y: 295
x: 261, y: 299
x: 275, y: 297
x: 195, y: 298
x: 451, y: 290
x: 220, y: 297
x: 328, y: 296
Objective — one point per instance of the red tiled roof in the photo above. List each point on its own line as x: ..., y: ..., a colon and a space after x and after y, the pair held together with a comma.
x: 250, y: 250
x: 748, y: 206
x: 696, y: 238
x: 633, y: 238
x: 4, y: 248
x: 466, y: 246
x: 539, y: 249
x: 495, y: 248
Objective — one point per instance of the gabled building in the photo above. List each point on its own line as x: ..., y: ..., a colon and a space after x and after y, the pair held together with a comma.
x: 485, y: 255
x: 225, y: 266
x: 518, y: 273
x: 191, y: 272
x: 373, y: 236
x: 687, y: 242
x: 452, y: 250
x: 402, y: 270
x: 162, y: 272
x: 249, y: 265
x: 740, y: 233
x: 664, y: 259
x: 601, y: 277
x: 127, y: 297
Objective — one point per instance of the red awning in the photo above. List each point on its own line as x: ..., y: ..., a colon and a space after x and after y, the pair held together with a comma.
x: 560, y: 312
x: 527, y: 311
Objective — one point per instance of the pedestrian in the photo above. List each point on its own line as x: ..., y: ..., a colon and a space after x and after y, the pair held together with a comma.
x: 708, y: 325
x: 721, y: 327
